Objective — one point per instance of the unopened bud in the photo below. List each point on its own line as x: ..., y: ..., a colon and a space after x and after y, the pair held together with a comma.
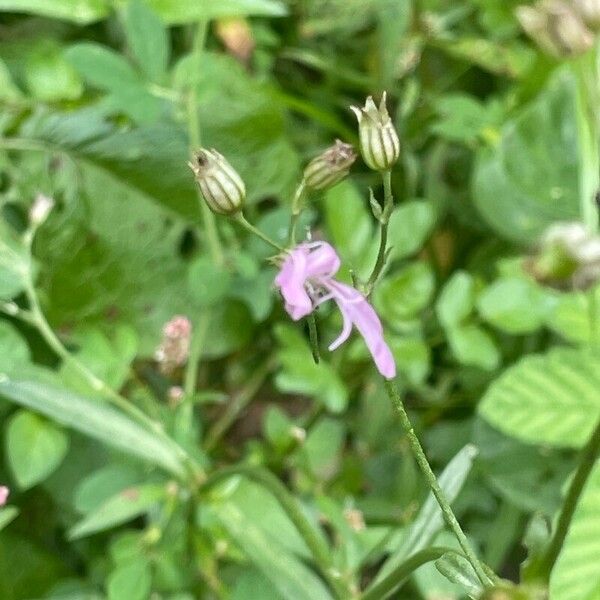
x: 589, y: 11
x: 379, y: 142
x: 221, y: 186
x: 174, y: 348
x: 556, y: 27
x: 4, y: 493
x: 568, y: 258
x: 330, y: 167
x: 40, y: 209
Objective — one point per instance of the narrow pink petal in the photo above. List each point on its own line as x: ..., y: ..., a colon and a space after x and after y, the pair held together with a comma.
x: 346, y: 329
x: 291, y: 280
x: 355, y: 307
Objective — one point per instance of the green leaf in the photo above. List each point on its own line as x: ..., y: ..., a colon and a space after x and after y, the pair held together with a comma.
x: 514, y: 305
x: 348, y: 221
x: 409, y: 227
x: 530, y: 178
x: 413, y: 357
x: 456, y: 300
x: 8, y: 514
x: 285, y: 572
x: 547, y: 399
x: 301, y: 375
x: 132, y: 581
x: 102, y: 67
x: 92, y: 418
x: 208, y: 283
x: 13, y: 263
x: 457, y: 569
x: 124, y: 506
x: 474, y: 347
x: 35, y: 448
x: 77, y: 11
x: 322, y: 448
x: 403, y: 294
x: 15, y: 351
x: 189, y: 11
x: 148, y: 39
x: 576, y: 574
x: 8, y: 90
x: 430, y: 520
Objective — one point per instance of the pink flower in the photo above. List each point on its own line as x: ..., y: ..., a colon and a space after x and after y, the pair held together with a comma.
x: 306, y: 281
x: 4, y: 492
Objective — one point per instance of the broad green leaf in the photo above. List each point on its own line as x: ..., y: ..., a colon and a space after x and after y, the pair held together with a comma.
x: 473, y: 346
x: 7, y: 514
x: 35, y: 447
x: 322, y: 448
x: 514, y: 305
x: 409, y: 227
x: 456, y: 300
x: 49, y: 76
x: 348, y: 221
x: 14, y: 351
x: 576, y: 574
x: 208, y: 283
x: 301, y: 375
x: 102, y: 67
x: 413, y: 357
x: 78, y: 11
x: 131, y: 581
x: 189, y: 11
x: 430, y: 520
x: 92, y: 418
x: 230, y: 329
x: 547, y: 399
x: 404, y: 293
x: 253, y: 584
x: 285, y: 572
x: 569, y: 316
x: 148, y: 38
x: 530, y: 178
x: 120, y: 508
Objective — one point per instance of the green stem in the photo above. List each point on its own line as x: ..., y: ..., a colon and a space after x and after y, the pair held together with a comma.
x: 437, y: 491
x: 388, y: 207
x: 311, y: 536
x: 386, y: 586
x: 238, y: 403
x: 193, y: 124
x: 588, y: 457
x: 42, y: 325
x: 241, y: 219
x: 297, y: 206
x: 313, y: 336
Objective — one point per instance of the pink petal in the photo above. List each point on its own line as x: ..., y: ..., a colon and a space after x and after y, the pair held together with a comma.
x: 291, y: 281
x: 4, y: 492
x: 354, y: 307
x: 322, y: 260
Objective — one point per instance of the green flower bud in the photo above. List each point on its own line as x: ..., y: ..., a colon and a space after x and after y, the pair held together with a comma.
x: 330, y: 167
x: 556, y: 27
x: 589, y: 11
x: 222, y: 188
x: 379, y: 142
x: 568, y: 257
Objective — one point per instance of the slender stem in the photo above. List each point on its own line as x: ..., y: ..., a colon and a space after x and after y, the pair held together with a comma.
x: 311, y: 536
x: 386, y: 586
x: 588, y: 457
x: 238, y: 403
x: 297, y: 206
x: 313, y: 336
x: 194, y: 132
x: 42, y: 325
x: 437, y: 491
x: 388, y: 207
x: 239, y: 217
x: 198, y: 336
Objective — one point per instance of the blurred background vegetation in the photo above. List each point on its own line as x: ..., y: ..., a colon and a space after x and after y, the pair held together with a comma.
x: 101, y: 102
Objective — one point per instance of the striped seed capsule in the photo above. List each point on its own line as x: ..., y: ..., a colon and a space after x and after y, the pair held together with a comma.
x: 330, y: 167
x: 221, y: 186
x: 379, y: 142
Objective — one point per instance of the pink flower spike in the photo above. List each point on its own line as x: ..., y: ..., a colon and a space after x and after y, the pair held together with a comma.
x: 4, y: 492
x: 306, y: 281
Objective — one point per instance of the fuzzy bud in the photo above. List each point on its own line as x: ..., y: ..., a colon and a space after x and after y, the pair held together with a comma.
x: 174, y: 348
x: 222, y: 187
x: 379, y: 142
x: 330, y: 167
x: 568, y: 258
x: 40, y: 209
x: 557, y: 27
x: 4, y: 493
x: 589, y: 11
